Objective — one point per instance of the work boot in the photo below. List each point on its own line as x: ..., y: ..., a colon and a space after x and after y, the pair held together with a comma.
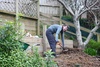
x: 57, y: 55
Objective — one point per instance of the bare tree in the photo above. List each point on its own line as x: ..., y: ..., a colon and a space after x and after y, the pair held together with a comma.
x: 76, y: 9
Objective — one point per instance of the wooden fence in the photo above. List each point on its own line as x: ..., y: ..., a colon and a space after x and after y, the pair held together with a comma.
x: 52, y: 7
x: 25, y: 7
x: 28, y: 9
x: 31, y: 9
x: 35, y: 9
x: 28, y: 24
x: 71, y: 24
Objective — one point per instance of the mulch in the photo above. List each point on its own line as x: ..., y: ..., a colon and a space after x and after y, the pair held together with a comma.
x: 77, y: 58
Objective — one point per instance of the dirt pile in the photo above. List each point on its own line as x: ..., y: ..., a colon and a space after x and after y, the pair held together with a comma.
x: 77, y: 58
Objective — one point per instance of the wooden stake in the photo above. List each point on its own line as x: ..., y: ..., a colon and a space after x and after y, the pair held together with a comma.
x: 44, y: 38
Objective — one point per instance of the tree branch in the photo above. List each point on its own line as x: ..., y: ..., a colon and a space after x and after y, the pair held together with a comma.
x: 98, y: 23
x: 90, y: 35
x: 66, y: 6
x: 93, y: 30
x: 95, y: 18
x: 88, y: 8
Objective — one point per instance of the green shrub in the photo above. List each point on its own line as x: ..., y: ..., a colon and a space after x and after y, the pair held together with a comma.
x: 9, y: 37
x: 11, y: 54
x: 98, y: 52
x: 90, y: 51
x: 93, y: 47
x: 19, y: 59
x: 16, y: 59
x: 68, y: 18
x: 49, y: 59
x: 93, y: 44
x: 36, y: 60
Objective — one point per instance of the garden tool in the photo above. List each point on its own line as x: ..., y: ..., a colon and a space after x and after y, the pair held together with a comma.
x: 63, y: 49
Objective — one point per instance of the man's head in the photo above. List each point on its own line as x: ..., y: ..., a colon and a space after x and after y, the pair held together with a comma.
x: 65, y: 28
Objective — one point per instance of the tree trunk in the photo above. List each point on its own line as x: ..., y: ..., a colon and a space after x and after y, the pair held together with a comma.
x: 78, y: 32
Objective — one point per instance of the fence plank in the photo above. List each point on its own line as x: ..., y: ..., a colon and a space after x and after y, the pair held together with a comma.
x: 44, y: 38
x: 98, y: 37
x: 38, y: 15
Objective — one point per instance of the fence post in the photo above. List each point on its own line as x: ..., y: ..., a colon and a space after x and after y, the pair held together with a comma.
x: 38, y: 16
x: 61, y: 10
x: 17, y: 15
x: 98, y: 37
x: 44, y: 38
x: 17, y: 10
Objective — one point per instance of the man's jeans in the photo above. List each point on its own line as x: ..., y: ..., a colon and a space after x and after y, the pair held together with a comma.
x: 51, y: 40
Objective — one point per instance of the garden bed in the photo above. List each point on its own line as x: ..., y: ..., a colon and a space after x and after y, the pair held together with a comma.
x: 75, y: 57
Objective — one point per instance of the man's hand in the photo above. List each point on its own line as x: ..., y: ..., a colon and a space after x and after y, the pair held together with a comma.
x: 59, y: 43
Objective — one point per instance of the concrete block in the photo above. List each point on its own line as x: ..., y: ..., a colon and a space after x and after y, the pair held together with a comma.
x: 68, y: 43
x: 32, y: 40
x: 30, y: 50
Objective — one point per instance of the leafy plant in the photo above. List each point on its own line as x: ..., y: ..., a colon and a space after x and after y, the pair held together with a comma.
x: 19, y: 59
x: 11, y: 54
x: 36, y: 60
x: 9, y: 37
x: 16, y: 59
x: 90, y: 51
x: 93, y: 44
x: 93, y: 48
x: 49, y: 59
x: 98, y: 52
x: 67, y: 18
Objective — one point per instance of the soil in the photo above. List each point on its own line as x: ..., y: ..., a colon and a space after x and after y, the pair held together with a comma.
x: 76, y: 58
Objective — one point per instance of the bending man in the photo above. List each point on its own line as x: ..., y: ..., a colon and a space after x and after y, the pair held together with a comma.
x: 55, y: 29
